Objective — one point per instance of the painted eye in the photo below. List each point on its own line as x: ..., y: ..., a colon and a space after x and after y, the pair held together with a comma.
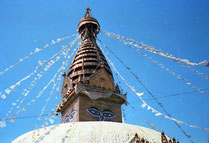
x: 66, y: 119
x: 94, y: 111
x: 108, y: 114
x: 72, y: 115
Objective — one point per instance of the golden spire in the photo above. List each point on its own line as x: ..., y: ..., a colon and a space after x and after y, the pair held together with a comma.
x: 88, y: 12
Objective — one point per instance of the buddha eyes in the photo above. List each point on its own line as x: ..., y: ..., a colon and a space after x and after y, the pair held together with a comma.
x: 70, y: 117
x: 94, y: 111
x: 108, y: 114
x: 66, y: 119
x: 97, y: 113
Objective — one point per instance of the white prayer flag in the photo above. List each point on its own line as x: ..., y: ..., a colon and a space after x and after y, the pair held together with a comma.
x: 12, y: 87
x: 193, y: 126
x: 158, y: 114
x: 180, y: 122
x: 140, y: 94
x: 2, y: 124
x: 12, y: 120
x: 37, y: 50
x: 167, y: 117
x: 3, y: 96
x: 58, y: 39
x: 23, y: 108
x: 52, y: 62
x: 6, y: 69
x: 53, y: 42
x: 143, y: 105
x: 18, y: 83
x: 7, y: 91
x: 178, y: 76
x: 40, y: 63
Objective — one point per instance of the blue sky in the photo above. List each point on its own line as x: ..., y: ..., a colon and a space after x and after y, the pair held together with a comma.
x: 180, y: 28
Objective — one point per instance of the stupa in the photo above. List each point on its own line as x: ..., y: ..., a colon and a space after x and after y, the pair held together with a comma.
x: 91, y: 101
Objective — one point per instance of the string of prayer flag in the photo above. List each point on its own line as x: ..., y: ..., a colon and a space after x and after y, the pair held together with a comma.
x: 144, y: 104
x: 37, y: 50
x: 65, y: 63
x: 201, y: 74
x: 180, y: 77
x: 52, y: 80
x: 129, y: 41
x: 28, y: 89
x: 9, y: 90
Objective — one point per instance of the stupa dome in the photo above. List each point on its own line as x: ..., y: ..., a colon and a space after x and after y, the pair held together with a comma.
x: 91, y: 132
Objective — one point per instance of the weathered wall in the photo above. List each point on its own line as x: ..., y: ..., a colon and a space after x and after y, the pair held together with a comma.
x: 101, y: 104
x: 73, y: 106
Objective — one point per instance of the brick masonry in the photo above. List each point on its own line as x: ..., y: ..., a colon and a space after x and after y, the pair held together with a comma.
x: 83, y: 102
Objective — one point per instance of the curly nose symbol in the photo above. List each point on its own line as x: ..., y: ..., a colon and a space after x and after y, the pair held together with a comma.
x: 101, y: 117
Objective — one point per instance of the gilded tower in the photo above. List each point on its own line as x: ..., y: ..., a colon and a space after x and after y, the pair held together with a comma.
x: 89, y: 92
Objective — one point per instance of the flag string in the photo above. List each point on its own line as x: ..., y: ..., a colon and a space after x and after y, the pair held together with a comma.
x: 45, y: 87
x: 27, y: 117
x: 11, y: 88
x: 65, y: 63
x: 203, y: 75
x: 157, y: 113
x: 172, y: 95
x: 148, y: 91
x: 27, y: 90
x: 184, y: 62
x: 178, y: 76
x: 37, y: 50
x: 151, y: 125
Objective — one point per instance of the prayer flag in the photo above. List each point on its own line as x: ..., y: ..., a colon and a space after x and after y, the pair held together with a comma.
x: 158, y: 114
x: 2, y: 124
x: 148, y: 107
x: 7, y: 90
x: 37, y: 50
x: 205, y: 129
x: 51, y: 120
x: 143, y: 105
x: 140, y: 94
x: 53, y: 42
x: 3, y: 96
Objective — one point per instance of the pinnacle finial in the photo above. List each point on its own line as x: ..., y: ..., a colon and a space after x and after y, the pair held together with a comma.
x: 88, y: 14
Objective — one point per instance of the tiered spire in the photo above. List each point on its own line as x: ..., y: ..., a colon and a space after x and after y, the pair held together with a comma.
x: 89, y: 59
x: 88, y: 91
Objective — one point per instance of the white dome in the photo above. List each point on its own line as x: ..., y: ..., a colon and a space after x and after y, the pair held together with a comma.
x: 89, y: 132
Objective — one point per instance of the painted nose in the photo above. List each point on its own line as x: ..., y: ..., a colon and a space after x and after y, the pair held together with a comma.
x: 101, y: 117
